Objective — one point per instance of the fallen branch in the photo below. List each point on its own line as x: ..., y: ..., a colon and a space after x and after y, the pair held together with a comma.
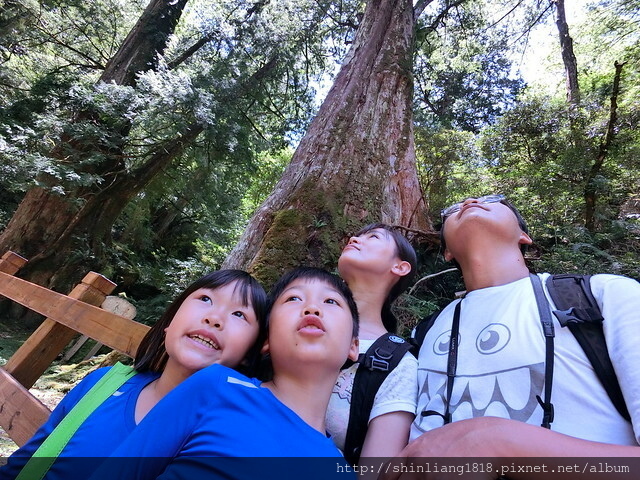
x: 431, y: 276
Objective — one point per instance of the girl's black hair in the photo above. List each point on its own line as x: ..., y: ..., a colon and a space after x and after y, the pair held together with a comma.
x: 405, y: 252
x: 152, y: 355
x: 265, y: 371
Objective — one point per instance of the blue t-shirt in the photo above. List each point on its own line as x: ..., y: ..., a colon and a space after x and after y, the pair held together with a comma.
x: 218, y: 412
x: 97, y: 437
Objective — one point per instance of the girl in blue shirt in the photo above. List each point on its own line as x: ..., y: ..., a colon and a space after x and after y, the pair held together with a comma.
x: 220, y: 318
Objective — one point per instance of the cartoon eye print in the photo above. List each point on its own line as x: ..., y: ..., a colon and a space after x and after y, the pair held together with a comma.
x: 493, y: 338
x: 441, y: 345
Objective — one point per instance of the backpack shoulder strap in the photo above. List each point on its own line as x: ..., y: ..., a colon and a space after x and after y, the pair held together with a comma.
x: 374, y: 366
x: 420, y: 331
x: 42, y: 459
x: 573, y: 299
x: 578, y: 310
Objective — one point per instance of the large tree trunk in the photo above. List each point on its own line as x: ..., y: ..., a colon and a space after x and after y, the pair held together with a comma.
x: 52, y: 229
x: 146, y: 41
x: 355, y: 165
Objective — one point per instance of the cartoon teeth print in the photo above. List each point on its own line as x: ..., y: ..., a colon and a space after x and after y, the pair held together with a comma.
x: 509, y: 391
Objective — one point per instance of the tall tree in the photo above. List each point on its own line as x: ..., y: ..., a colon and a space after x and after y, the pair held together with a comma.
x: 110, y: 158
x: 356, y: 163
x: 594, y: 165
x: 568, y: 56
x: 591, y: 187
x: 46, y: 223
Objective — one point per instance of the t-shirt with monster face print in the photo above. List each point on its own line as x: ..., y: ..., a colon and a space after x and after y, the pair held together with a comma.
x: 501, y: 362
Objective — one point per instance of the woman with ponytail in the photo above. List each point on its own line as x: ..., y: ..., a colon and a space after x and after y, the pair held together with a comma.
x: 378, y: 264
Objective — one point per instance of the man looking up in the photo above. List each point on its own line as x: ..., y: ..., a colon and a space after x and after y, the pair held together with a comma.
x: 487, y: 392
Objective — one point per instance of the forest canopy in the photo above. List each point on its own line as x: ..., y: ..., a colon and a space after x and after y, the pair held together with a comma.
x: 142, y: 140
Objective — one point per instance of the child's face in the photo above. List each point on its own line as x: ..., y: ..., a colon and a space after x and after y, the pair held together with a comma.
x: 311, y: 322
x: 211, y: 326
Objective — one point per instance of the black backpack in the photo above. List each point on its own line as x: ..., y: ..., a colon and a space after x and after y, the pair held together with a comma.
x: 374, y: 366
x: 578, y: 310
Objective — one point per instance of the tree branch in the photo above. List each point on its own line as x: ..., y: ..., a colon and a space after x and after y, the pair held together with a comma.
x: 191, y: 50
x: 428, y: 277
x: 419, y: 7
x: 534, y: 23
x: 440, y: 16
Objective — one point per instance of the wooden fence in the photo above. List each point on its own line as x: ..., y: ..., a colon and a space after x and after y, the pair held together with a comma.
x: 66, y: 316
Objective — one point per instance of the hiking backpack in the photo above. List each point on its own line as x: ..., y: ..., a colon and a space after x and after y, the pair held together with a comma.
x: 373, y: 367
x: 576, y: 309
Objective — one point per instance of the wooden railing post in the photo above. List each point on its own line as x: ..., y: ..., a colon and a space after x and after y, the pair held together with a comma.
x: 21, y: 414
x: 13, y: 396
x: 11, y: 262
x: 35, y: 355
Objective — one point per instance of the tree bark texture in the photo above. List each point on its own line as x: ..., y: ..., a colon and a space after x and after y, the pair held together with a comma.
x: 356, y: 163
x: 568, y: 56
x: 146, y: 41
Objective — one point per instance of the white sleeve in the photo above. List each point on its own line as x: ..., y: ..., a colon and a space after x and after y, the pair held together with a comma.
x: 619, y: 301
x: 399, y: 391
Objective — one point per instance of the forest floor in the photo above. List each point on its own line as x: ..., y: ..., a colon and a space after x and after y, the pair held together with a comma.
x: 51, y: 387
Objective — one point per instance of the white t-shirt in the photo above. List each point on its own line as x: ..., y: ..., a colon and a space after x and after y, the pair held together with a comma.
x: 501, y: 364
x: 397, y: 393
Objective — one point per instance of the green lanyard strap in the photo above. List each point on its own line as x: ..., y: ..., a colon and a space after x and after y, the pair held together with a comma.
x: 40, y: 463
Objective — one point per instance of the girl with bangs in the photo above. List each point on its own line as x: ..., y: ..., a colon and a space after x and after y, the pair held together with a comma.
x: 218, y: 319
